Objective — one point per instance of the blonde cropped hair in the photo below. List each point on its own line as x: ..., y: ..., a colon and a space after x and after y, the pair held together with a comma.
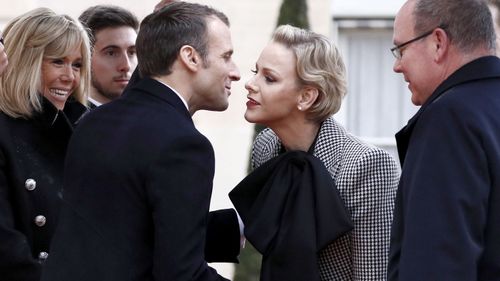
x: 30, y: 38
x: 319, y: 65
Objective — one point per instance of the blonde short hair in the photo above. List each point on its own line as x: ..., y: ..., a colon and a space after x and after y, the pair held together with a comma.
x: 29, y: 38
x: 319, y: 65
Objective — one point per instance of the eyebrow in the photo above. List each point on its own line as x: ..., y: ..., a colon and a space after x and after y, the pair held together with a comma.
x: 228, y: 53
x: 115, y: 47
x: 268, y: 70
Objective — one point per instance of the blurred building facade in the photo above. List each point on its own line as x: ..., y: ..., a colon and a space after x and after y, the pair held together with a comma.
x: 378, y: 102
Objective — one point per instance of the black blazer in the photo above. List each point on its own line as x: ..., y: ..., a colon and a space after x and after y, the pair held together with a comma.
x: 31, y: 162
x: 137, y: 192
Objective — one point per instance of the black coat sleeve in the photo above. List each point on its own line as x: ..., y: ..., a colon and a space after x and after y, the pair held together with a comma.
x: 223, y: 236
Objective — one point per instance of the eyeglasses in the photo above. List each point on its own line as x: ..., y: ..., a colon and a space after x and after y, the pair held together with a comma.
x: 397, y: 50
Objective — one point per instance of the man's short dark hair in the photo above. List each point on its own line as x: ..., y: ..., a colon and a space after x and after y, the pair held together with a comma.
x: 100, y: 17
x: 165, y: 31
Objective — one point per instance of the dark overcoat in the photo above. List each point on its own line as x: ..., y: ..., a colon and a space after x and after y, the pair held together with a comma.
x: 31, y: 170
x: 138, y: 192
x: 447, y: 215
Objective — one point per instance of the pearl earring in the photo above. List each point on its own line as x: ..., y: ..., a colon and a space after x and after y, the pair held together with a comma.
x: 300, y: 108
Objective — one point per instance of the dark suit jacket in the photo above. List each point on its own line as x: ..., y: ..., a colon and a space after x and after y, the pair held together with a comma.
x: 137, y: 192
x: 223, y: 233
x: 31, y: 163
x: 447, y: 216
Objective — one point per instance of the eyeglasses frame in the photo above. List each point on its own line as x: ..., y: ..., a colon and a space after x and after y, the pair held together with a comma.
x: 396, y: 50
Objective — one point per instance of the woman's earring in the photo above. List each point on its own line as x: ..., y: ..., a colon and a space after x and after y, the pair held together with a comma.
x: 300, y: 107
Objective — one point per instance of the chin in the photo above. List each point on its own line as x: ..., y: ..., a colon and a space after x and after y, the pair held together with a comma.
x: 220, y: 107
x: 416, y: 100
x: 252, y: 119
x: 249, y: 120
x: 223, y: 108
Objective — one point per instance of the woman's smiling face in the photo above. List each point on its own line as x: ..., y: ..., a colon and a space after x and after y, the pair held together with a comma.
x: 61, y: 76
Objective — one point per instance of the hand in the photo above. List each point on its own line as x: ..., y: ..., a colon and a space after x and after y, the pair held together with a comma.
x: 162, y: 4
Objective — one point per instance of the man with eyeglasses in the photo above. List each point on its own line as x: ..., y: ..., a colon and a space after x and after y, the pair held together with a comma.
x: 447, y: 216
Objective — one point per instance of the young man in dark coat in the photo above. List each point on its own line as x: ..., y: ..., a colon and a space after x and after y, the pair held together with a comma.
x: 139, y: 173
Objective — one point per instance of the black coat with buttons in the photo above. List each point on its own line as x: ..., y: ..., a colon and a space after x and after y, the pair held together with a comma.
x: 32, y: 155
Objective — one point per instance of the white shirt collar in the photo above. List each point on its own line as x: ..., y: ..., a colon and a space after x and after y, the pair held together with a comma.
x: 177, y: 93
x: 96, y: 103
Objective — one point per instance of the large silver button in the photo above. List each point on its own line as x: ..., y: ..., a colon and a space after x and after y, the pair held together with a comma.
x: 30, y: 184
x: 40, y: 220
x: 43, y: 256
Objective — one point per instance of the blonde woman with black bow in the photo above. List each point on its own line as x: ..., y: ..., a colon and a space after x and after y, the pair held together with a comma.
x: 298, y: 85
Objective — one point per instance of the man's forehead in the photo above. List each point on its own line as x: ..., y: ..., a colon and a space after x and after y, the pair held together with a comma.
x: 116, y: 30
x: 123, y: 35
x: 404, y: 18
x: 219, y: 34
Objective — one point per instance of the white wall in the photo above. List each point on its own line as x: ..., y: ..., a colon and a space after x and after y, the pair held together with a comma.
x: 365, y: 8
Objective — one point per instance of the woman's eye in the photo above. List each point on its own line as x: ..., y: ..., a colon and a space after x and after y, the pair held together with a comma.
x: 269, y: 79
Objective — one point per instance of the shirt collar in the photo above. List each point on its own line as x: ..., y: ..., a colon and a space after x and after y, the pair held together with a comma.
x: 177, y: 93
x: 95, y: 102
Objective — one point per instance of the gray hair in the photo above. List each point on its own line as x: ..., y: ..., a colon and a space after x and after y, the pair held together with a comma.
x: 467, y: 23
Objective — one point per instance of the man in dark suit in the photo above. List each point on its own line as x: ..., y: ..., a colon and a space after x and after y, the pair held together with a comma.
x: 447, y: 215
x: 138, y: 173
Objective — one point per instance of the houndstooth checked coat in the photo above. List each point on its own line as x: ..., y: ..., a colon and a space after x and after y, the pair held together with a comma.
x: 367, y: 178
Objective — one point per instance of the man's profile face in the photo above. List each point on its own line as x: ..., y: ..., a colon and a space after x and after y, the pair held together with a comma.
x: 415, y: 63
x: 113, y: 61
x: 219, y: 70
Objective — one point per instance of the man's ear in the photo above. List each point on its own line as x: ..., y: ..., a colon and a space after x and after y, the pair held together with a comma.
x: 307, y: 98
x: 441, y: 42
x: 189, y: 57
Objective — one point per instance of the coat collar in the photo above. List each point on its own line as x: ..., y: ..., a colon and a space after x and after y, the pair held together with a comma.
x: 330, y: 142
x: 157, y: 89
x: 59, y: 124
x: 481, y: 68
x: 72, y: 113
x: 328, y: 146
